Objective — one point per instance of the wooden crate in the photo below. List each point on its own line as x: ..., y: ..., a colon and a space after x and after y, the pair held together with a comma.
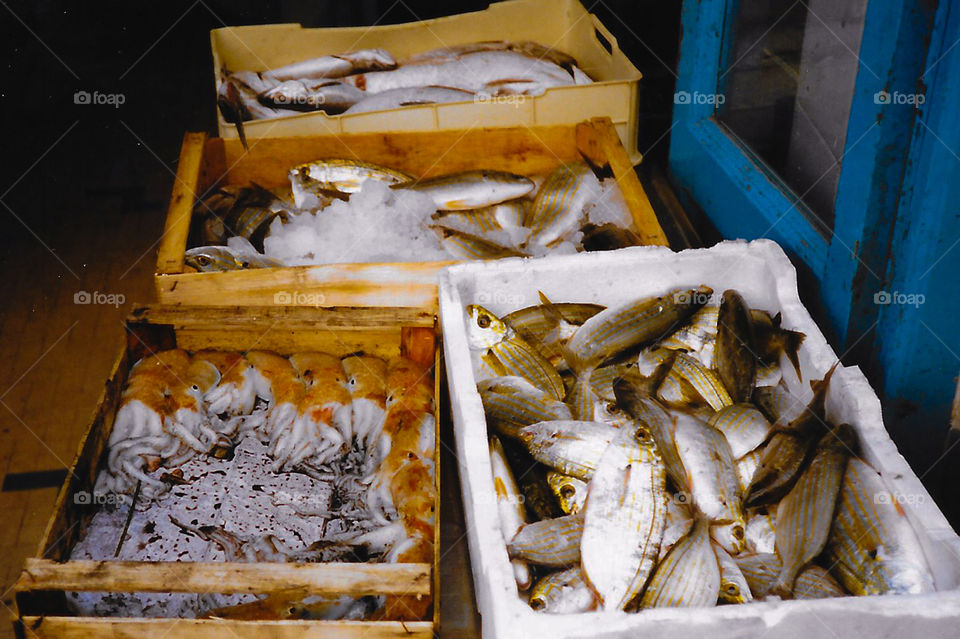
x: 205, y: 163
x: 40, y: 598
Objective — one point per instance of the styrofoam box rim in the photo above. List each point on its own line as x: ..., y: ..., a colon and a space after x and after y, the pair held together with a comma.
x: 765, y: 270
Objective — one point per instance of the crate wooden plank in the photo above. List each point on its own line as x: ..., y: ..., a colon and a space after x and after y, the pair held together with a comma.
x: 170, y: 253
x: 382, y: 343
x: 231, y: 317
x: 136, y: 628
x: 224, y: 577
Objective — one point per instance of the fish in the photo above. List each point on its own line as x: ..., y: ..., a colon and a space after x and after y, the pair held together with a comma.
x: 557, y: 209
x: 771, y: 340
x: 490, y: 224
x: 761, y: 530
x: 487, y: 72
x: 510, y: 509
x: 538, y: 497
x: 689, y: 576
x: 339, y: 176
x: 624, y: 518
x: 788, y: 447
x: 873, y: 549
x: 498, y: 350
x: 471, y: 247
x: 697, y: 383
x: 608, y: 237
x: 778, y: 404
x: 698, y: 336
x: 547, y: 327
x: 467, y: 190
x: 549, y: 542
x: 711, y: 478
x: 510, y: 402
x: 329, y: 96
x: 526, y: 47
x: 744, y: 426
x: 571, y: 493
x: 239, y: 211
x: 562, y: 592
x: 333, y: 66
x: 734, y: 588
x: 210, y: 259
x: 572, y: 448
x: 408, y: 96
x: 761, y: 569
x: 734, y: 351
x: 658, y: 422
x: 805, y: 514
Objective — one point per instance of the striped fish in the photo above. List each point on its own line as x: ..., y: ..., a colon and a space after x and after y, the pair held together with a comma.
x: 711, y: 478
x: 624, y: 518
x: 651, y: 414
x: 208, y: 259
x: 697, y: 383
x: 573, y: 448
x: 761, y: 531
x: 570, y: 492
x: 558, y: 207
x: 698, y: 336
x: 873, y: 548
x: 549, y: 542
x: 778, y: 404
x: 472, y: 247
x: 486, y: 223
x: 747, y: 468
x: 734, y: 351
x: 345, y: 176
x: 788, y: 447
x: 511, y: 402
x: 689, y: 576
x: 470, y: 189
x: 744, y: 426
x: 563, y: 592
x: 603, y: 378
x: 733, y: 585
x: 546, y: 327
x: 497, y: 350
x: 239, y: 211
x: 538, y: 497
x: 510, y: 507
x: 761, y: 570
x: 806, y: 513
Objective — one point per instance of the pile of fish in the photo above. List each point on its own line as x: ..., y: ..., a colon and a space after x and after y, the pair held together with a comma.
x: 651, y: 455
x: 357, y: 429
x: 339, y: 210
x: 372, y: 80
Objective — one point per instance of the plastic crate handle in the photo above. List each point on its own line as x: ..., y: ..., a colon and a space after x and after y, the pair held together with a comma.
x: 603, y: 36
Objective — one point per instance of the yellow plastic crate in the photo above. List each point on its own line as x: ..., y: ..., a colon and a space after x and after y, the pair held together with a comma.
x: 562, y: 24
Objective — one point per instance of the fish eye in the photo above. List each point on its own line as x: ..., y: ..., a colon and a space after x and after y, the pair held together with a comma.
x: 203, y: 260
x: 738, y: 532
x: 195, y: 388
x: 537, y: 604
x: 567, y: 492
x: 732, y: 589
x: 613, y: 408
x: 483, y: 321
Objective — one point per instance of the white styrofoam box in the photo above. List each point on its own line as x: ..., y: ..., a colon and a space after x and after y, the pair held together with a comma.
x: 761, y: 272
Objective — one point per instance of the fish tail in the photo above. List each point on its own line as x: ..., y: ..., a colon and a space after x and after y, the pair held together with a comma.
x: 783, y: 586
x: 792, y: 340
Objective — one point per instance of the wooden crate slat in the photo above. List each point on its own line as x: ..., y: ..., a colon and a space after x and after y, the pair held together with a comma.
x: 226, y: 577
x: 138, y: 628
x: 170, y: 253
x: 228, y: 317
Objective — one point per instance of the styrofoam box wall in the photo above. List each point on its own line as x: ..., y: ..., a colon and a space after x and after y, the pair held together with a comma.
x: 767, y: 280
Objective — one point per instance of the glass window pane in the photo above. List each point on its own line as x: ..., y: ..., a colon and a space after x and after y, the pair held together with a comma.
x: 787, y: 86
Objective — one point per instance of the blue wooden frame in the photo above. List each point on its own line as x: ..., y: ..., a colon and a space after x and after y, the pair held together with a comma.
x: 897, y: 217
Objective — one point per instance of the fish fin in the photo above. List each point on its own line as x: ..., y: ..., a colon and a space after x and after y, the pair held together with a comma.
x: 576, y: 364
x: 792, y: 340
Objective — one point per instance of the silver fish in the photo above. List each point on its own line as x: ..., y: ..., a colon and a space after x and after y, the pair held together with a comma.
x: 697, y: 383
x: 210, y: 259
x: 470, y: 189
x: 624, y: 517
x: 511, y: 402
x: 689, y: 576
x: 549, y: 542
x: 573, y: 448
x: 339, y: 175
x: 490, y: 224
x: 333, y: 66
x: 470, y: 247
x: 562, y: 592
x: 408, y: 96
x: 330, y: 96
x: 510, y: 507
x: 734, y: 588
x: 761, y: 569
x: 570, y: 492
x: 558, y: 208
x: 744, y: 426
x: 761, y: 531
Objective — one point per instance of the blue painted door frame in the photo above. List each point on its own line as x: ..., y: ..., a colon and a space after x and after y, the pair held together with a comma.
x: 895, y: 210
